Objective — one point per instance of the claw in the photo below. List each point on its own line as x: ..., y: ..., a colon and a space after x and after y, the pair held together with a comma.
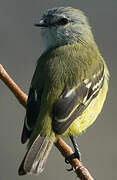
x: 69, y: 157
x: 76, y: 154
x: 70, y: 169
x: 67, y: 160
x: 72, y: 156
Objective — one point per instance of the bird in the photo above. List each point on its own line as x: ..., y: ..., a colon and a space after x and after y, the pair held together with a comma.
x: 68, y: 88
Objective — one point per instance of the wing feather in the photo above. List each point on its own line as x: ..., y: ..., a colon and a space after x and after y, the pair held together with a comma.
x: 32, y: 111
x: 68, y: 107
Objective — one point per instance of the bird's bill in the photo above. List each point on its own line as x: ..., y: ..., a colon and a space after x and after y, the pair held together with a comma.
x: 41, y: 23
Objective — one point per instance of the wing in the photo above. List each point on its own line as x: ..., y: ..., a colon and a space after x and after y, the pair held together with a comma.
x: 74, y: 101
x: 32, y: 111
x: 33, y: 103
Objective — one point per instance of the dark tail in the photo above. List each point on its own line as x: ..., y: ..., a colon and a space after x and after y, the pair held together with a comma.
x: 35, y: 158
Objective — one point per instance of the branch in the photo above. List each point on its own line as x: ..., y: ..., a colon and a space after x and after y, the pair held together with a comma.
x: 65, y: 150
x: 21, y: 97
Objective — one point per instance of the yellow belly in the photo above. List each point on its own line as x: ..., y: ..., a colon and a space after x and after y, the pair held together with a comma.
x: 90, y: 114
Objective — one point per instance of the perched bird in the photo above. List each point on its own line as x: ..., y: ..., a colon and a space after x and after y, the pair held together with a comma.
x: 68, y: 88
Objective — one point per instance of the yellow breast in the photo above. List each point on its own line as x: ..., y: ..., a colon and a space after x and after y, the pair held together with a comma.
x: 90, y: 114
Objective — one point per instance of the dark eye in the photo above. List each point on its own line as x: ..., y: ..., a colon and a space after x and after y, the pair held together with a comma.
x: 63, y: 21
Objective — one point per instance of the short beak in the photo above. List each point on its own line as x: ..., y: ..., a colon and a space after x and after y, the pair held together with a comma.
x: 42, y: 23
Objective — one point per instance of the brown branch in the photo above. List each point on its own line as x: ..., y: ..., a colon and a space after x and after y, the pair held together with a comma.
x: 78, y: 167
x: 65, y: 150
x: 21, y: 97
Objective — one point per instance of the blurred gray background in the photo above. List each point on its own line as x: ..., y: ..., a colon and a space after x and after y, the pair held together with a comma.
x: 20, y: 46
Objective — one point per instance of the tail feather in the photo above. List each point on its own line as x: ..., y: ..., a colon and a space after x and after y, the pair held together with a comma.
x: 35, y: 158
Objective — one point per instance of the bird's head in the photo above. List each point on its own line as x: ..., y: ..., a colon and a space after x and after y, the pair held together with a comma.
x: 63, y: 25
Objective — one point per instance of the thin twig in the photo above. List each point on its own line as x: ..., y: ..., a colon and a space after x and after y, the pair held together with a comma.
x: 78, y: 167
x: 21, y: 97
x: 65, y: 150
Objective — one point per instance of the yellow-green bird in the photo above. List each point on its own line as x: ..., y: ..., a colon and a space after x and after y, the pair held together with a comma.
x: 68, y: 88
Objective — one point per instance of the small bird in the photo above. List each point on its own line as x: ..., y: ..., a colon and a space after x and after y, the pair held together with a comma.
x: 68, y: 88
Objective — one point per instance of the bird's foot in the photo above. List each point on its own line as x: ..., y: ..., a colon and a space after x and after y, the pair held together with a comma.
x: 72, y: 156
